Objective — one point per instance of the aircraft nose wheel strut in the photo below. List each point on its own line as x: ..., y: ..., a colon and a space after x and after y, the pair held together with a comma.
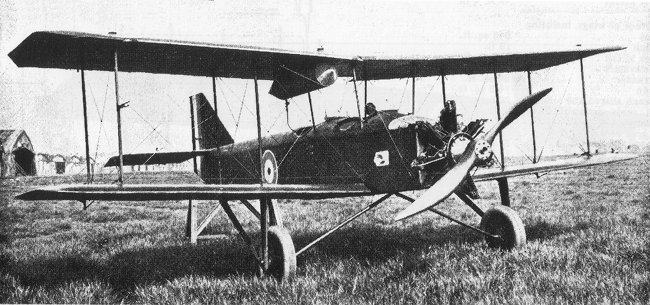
x: 500, y: 225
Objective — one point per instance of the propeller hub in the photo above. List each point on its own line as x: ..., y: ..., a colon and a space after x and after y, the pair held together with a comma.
x: 483, y: 150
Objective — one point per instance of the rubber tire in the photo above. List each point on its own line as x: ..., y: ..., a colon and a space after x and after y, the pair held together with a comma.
x: 505, y: 222
x: 282, y: 254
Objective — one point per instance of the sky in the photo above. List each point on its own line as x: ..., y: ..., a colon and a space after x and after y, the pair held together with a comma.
x: 47, y: 102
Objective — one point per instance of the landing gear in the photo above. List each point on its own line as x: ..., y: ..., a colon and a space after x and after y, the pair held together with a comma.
x: 282, y: 254
x: 506, y: 224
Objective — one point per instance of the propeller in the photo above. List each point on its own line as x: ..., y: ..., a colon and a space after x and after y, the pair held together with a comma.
x: 476, y: 149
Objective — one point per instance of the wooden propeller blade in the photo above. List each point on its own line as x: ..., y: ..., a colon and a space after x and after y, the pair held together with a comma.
x: 443, y: 187
x: 516, y: 111
x: 455, y: 176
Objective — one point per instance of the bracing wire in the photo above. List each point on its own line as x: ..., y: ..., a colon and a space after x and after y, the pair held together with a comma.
x: 394, y: 144
x: 471, y: 117
x: 401, y: 100
x: 557, y: 111
x: 428, y: 93
x: 154, y: 128
x: 101, y: 115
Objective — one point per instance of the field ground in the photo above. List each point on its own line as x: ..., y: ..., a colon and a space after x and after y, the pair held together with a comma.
x: 588, y: 242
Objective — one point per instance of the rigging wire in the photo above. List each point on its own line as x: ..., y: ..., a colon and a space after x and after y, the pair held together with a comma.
x: 429, y: 93
x: 341, y: 156
x: 471, y: 116
x: 155, y: 128
x: 241, y: 109
x: 102, y: 127
x: 395, y: 145
x: 401, y: 100
x: 562, y: 100
x: 342, y: 99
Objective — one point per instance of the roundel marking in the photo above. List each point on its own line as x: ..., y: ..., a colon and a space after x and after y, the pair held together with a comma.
x: 270, y: 167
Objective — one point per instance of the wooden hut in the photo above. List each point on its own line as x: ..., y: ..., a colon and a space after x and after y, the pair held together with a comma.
x: 16, y: 154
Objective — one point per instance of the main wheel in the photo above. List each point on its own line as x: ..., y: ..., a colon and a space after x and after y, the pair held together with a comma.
x: 504, y: 222
x: 282, y: 254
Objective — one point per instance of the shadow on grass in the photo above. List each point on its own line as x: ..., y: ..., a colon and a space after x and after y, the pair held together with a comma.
x: 157, y: 265
x: 375, y: 243
x: 542, y: 230
x: 129, y: 269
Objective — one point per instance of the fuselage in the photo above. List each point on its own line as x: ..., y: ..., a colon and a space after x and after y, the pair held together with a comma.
x: 338, y: 151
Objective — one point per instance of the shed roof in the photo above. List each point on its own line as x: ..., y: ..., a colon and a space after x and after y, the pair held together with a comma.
x: 8, y: 138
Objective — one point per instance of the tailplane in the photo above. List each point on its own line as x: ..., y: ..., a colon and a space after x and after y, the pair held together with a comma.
x: 212, y: 133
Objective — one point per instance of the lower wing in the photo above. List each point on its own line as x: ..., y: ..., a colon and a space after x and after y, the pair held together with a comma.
x: 547, y: 166
x: 144, y: 192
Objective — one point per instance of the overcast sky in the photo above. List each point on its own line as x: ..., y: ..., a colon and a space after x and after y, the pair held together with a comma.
x: 47, y: 103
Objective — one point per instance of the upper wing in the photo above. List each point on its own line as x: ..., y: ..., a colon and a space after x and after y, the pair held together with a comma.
x: 547, y: 166
x: 74, y: 50
x: 143, y: 192
x: 387, y: 68
x: 294, y: 73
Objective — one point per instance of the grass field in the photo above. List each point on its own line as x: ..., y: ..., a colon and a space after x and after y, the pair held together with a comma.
x: 588, y: 242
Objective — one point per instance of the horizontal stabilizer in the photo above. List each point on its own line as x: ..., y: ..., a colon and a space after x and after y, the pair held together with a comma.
x: 144, y: 192
x: 156, y: 158
x: 548, y: 166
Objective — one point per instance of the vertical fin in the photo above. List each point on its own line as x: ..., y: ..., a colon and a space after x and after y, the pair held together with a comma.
x: 212, y: 133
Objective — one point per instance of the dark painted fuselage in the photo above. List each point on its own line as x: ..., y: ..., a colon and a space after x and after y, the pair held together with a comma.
x: 337, y: 151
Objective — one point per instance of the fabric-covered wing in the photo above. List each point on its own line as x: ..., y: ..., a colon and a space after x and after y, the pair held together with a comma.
x: 293, y: 73
x: 156, y: 158
x: 74, y: 50
x: 547, y: 166
x: 144, y: 192
x: 388, y: 68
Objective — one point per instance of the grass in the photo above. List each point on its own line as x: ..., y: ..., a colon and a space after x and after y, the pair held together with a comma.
x: 588, y: 233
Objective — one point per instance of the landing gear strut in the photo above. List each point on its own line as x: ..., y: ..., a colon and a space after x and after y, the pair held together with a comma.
x: 500, y: 225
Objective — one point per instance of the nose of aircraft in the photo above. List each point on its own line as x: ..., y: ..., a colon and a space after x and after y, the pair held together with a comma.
x: 475, y: 150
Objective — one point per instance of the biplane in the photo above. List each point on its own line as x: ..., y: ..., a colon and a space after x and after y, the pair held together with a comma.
x: 377, y: 153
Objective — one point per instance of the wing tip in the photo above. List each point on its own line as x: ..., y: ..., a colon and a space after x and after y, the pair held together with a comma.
x: 616, y: 48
